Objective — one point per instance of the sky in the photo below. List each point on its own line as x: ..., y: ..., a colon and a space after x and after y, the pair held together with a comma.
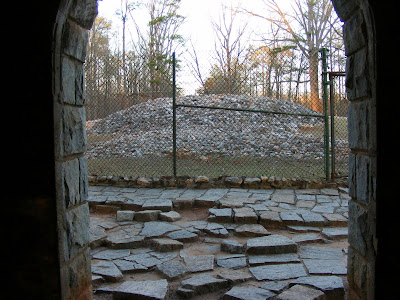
x: 198, y: 13
x: 197, y: 28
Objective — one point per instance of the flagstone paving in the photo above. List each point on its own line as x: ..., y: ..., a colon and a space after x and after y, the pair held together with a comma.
x: 218, y: 243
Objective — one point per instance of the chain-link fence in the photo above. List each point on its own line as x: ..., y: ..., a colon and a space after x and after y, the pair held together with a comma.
x: 260, y: 114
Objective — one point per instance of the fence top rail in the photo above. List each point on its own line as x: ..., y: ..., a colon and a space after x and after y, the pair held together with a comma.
x: 249, y: 110
x: 337, y: 74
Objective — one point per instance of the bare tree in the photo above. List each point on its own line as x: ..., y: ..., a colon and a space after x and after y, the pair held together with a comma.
x: 229, y: 48
x: 308, y: 26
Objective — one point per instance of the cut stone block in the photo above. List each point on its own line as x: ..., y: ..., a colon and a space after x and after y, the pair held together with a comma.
x: 148, y: 289
x: 147, y: 215
x: 272, y: 244
x: 125, y: 215
x: 245, y: 293
x: 278, y: 272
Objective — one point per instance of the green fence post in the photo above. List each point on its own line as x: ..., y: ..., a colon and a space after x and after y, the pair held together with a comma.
x: 325, y: 83
x: 174, y: 114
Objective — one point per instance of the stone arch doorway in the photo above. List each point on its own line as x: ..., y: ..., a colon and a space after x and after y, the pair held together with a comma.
x: 53, y: 203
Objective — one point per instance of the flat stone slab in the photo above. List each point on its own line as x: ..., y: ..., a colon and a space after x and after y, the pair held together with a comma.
x: 158, y: 204
x: 335, y: 232
x: 252, y: 230
x: 203, y: 283
x: 299, y: 292
x: 199, y: 263
x: 291, y: 218
x: 278, y: 272
x: 273, y: 259
x: 312, y: 252
x: 245, y: 293
x: 216, y: 230
x: 245, y: 215
x: 332, y: 286
x: 232, y: 246
x: 144, y: 259
x: 155, y: 229
x: 271, y: 244
x: 235, y: 276
x: 183, y: 236
x: 148, y: 289
x: 325, y: 267
x: 307, y: 238
x: 129, y: 266
x: 270, y: 219
x: 166, y: 244
x: 170, y: 216
x: 223, y: 215
x: 313, y: 219
x: 275, y: 286
x: 282, y: 197
x: 233, y: 261
x: 107, y: 269
x: 172, y: 269
x: 112, y: 254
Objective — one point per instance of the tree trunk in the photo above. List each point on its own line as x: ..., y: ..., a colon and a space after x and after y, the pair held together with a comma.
x: 316, y: 103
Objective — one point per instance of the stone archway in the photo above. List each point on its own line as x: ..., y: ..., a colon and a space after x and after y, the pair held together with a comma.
x: 73, y: 20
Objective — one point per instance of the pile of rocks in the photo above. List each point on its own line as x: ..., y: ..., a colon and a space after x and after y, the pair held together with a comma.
x: 146, y: 128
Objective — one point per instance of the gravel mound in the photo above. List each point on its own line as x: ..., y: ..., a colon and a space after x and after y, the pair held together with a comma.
x: 146, y: 128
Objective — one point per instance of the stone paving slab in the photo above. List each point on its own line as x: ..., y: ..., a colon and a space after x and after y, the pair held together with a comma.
x: 256, y: 247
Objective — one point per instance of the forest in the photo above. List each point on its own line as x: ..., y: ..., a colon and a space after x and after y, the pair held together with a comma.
x: 282, y: 62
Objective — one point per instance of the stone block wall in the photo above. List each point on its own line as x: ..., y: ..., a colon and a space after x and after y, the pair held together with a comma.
x: 361, y: 90
x: 74, y: 19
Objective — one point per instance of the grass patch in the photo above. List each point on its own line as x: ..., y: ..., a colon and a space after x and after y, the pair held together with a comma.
x: 156, y: 166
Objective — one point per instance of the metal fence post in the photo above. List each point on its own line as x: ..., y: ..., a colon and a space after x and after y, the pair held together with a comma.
x: 332, y: 108
x: 325, y: 84
x: 174, y: 114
